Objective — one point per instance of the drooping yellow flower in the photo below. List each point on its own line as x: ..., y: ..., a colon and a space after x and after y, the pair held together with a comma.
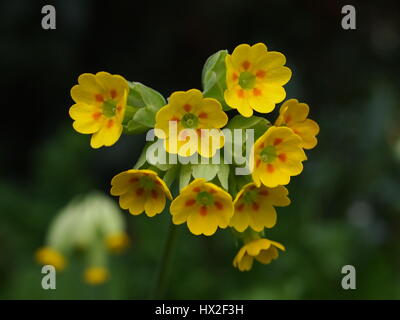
x: 277, y: 156
x: 293, y: 114
x: 118, y: 242
x: 190, y: 113
x: 254, y: 207
x: 255, y: 79
x: 140, y: 190
x: 263, y: 250
x: 96, y: 275
x: 50, y: 256
x: 204, y: 206
x: 99, y: 108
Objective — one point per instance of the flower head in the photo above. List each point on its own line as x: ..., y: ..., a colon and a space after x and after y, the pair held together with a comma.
x: 263, y: 250
x: 293, y: 114
x: 117, y: 242
x: 99, y: 108
x: 254, y: 79
x: 191, y: 113
x: 254, y: 207
x: 140, y: 190
x: 96, y: 275
x: 204, y: 206
x: 277, y: 156
x: 50, y: 256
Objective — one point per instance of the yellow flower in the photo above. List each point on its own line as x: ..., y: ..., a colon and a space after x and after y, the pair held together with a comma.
x: 293, y: 114
x: 255, y: 79
x: 96, y: 275
x: 254, y: 207
x: 263, y: 250
x: 50, y: 256
x: 140, y: 190
x: 277, y: 156
x: 99, y: 108
x: 117, y: 242
x: 191, y: 113
x: 204, y: 206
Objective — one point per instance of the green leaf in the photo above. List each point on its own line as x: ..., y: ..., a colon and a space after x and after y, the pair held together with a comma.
x: 206, y: 171
x: 223, y: 175
x: 145, y: 117
x: 185, y: 175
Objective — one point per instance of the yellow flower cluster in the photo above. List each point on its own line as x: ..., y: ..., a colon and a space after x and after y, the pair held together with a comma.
x: 253, y: 80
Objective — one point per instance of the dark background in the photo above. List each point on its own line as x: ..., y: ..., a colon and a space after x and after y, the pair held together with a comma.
x: 345, y: 206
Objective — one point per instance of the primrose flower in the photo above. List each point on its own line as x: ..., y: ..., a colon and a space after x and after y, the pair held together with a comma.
x: 204, y: 206
x: 117, y: 242
x: 254, y: 207
x: 189, y: 112
x: 50, y: 256
x: 293, y: 114
x: 96, y: 275
x: 140, y: 190
x: 99, y: 108
x: 277, y: 156
x: 255, y: 79
x: 263, y: 250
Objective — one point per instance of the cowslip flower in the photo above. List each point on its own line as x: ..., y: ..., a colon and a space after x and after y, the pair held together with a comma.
x: 140, y: 190
x: 190, y: 113
x: 50, y: 256
x: 277, y: 156
x: 263, y: 250
x: 254, y: 207
x: 293, y: 115
x: 255, y: 79
x: 96, y: 275
x: 99, y: 108
x: 204, y: 206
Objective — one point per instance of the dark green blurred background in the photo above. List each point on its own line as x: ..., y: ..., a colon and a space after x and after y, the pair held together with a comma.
x: 345, y: 206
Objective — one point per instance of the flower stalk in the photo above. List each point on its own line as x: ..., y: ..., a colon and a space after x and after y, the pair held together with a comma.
x: 165, y: 264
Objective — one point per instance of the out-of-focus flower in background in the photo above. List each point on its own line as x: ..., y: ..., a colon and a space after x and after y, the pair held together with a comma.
x: 91, y: 225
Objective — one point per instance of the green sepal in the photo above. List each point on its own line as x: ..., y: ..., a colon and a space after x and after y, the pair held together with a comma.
x: 143, y: 104
x: 207, y: 171
x: 171, y: 175
x: 213, y: 77
x: 142, y: 158
x: 247, y: 235
x: 150, y: 98
x: 132, y: 127
x: 259, y: 124
x: 185, y: 174
x: 145, y: 117
x: 223, y: 175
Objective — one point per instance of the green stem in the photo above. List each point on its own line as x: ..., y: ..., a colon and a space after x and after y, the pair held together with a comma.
x: 165, y: 264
